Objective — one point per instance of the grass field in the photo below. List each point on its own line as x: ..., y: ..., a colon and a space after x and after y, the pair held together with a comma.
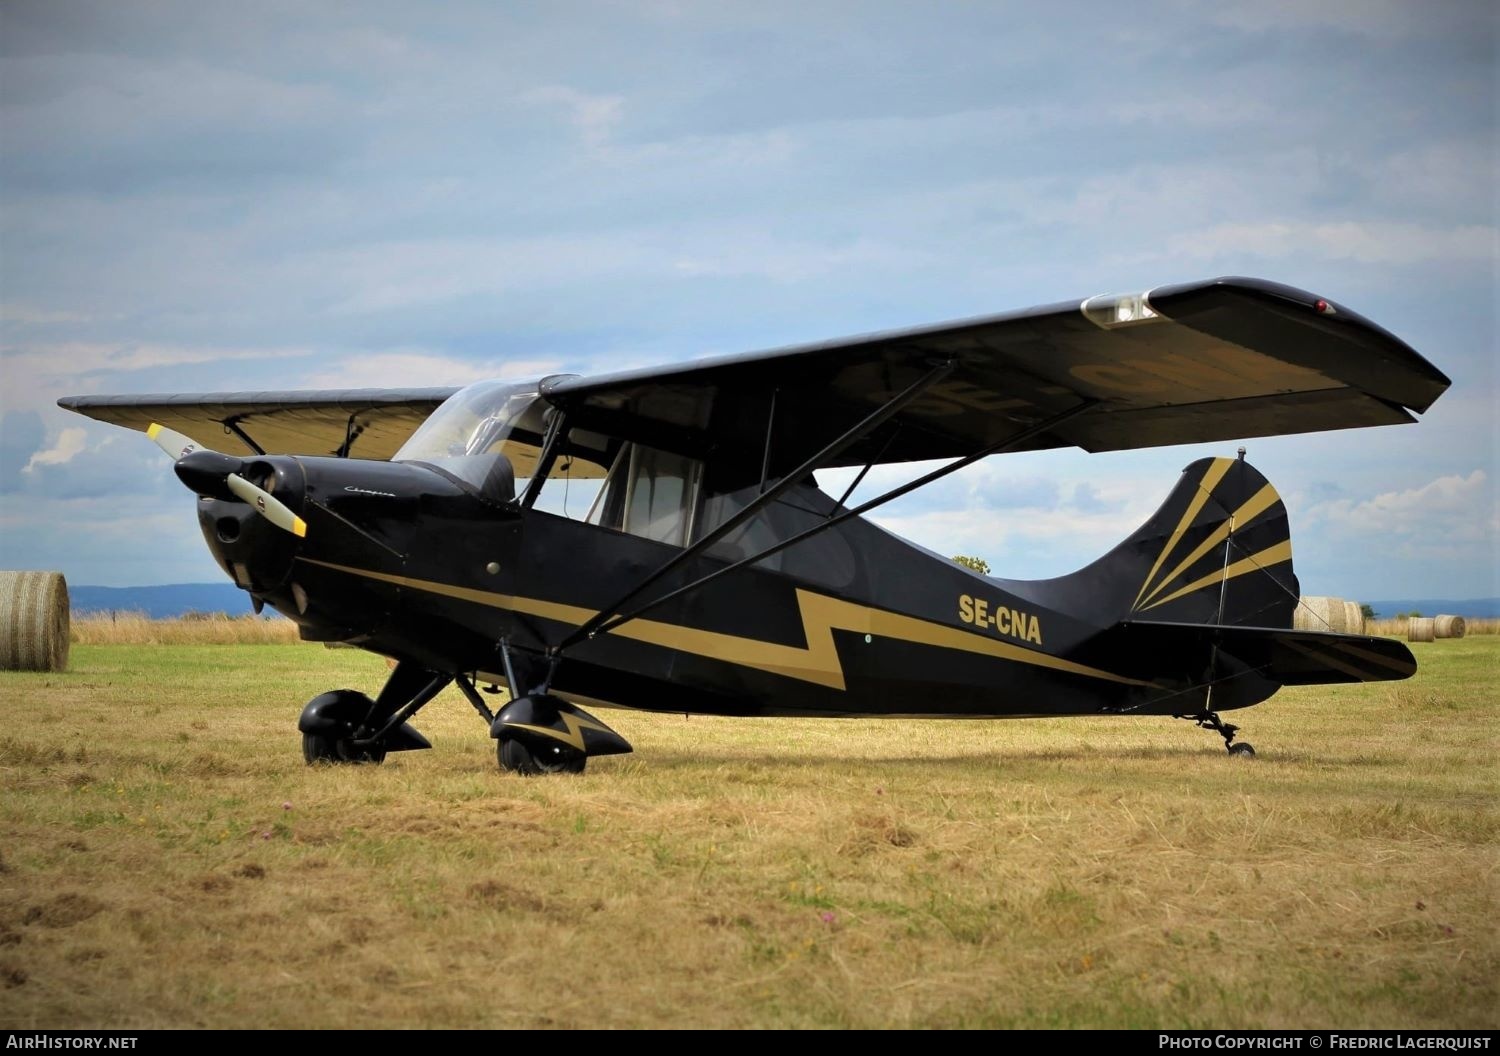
x: 168, y: 860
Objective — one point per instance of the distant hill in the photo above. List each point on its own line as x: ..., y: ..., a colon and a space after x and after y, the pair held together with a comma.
x: 1473, y: 608
x: 161, y: 602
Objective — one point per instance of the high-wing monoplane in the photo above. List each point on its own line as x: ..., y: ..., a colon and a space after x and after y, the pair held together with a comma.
x: 656, y: 539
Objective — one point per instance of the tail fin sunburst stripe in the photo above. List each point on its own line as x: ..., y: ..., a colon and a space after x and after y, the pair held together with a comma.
x: 1271, y: 555
x: 1257, y: 504
x: 1211, y: 478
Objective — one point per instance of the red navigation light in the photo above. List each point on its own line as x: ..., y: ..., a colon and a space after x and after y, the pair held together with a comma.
x: 1321, y: 305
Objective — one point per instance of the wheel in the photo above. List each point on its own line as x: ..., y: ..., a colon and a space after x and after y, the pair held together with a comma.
x: 1242, y: 748
x: 322, y: 748
x: 515, y: 757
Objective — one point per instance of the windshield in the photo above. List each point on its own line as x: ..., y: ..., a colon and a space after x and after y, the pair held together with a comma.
x: 483, y: 420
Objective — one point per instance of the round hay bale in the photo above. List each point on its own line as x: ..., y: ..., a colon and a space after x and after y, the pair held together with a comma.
x: 1448, y: 626
x: 1316, y: 613
x: 33, y: 621
x: 1420, y: 629
x: 1354, y: 618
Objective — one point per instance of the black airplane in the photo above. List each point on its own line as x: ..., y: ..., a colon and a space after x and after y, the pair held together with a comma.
x: 654, y: 539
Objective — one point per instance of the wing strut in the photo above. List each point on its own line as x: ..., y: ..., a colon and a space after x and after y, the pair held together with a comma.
x: 832, y: 450
x: 232, y: 425
x: 765, y: 458
x: 1019, y: 437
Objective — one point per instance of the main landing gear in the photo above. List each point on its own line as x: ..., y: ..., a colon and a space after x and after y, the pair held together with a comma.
x: 535, y: 733
x: 1209, y: 720
x: 345, y: 726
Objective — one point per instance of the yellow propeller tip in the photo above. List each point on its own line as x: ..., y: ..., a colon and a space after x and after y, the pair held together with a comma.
x: 299, y: 527
x: 152, y: 430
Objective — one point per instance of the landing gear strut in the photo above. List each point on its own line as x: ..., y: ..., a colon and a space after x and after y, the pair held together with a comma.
x: 536, y: 732
x: 1209, y: 720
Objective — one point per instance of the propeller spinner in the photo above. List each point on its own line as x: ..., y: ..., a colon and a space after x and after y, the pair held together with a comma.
x: 211, y: 473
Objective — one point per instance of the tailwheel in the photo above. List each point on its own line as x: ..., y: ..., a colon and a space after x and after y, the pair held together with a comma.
x: 516, y: 757
x: 1209, y: 720
x: 325, y: 748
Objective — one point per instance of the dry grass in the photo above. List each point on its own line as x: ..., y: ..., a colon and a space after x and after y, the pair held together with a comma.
x: 1395, y: 627
x: 169, y: 861
x: 216, y: 628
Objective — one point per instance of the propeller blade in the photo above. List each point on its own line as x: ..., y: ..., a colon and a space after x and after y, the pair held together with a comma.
x: 269, y: 507
x: 173, y: 442
x: 202, y: 478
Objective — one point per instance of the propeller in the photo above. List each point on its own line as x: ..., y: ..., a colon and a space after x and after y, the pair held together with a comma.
x: 209, y: 473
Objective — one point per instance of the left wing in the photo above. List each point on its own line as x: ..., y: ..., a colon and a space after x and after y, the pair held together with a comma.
x: 365, y: 423
x: 1217, y: 360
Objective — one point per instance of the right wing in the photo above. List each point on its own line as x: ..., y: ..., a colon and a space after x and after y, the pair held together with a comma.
x: 365, y: 423
x: 1225, y: 359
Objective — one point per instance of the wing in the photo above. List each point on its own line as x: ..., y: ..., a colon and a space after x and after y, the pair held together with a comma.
x: 1223, y: 359
x: 373, y: 423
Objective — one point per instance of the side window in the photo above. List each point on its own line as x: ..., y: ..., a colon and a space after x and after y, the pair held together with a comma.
x: 650, y: 493
x: 824, y: 557
x: 749, y: 538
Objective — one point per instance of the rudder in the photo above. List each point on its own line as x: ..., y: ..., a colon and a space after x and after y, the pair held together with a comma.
x: 1218, y: 551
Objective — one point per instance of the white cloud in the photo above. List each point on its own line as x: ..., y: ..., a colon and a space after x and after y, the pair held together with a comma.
x: 760, y: 255
x: 35, y: 371
x: 409, y: 368
x: 30, y: 315
x: 1367, y: 242
x: 1370, y: 18
x: 399, y: 274
x: 594, y: 116
x: 1026, y: 526
x: 1435, y: 518
x: 117, y: 539
x: 69, y: 443
x: 1438, y: 539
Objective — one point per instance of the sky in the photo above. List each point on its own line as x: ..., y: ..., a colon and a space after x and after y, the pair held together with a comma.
x: 211, y: 196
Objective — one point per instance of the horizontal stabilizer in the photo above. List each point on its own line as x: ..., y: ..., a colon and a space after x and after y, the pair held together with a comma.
x: 1292, y: 658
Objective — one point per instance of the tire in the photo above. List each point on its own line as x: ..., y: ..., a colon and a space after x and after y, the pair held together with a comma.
x: 514, y: 757
x: 1242, y: 749
x: 322, y: 748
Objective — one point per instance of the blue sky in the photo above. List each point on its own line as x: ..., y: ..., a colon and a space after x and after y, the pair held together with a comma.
x: 216, y: 196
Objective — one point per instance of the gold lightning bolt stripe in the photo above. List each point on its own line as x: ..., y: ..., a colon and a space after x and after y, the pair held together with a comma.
x: 816, y: 662
x: 574, y: 734
x: 1271, y: 555
x: 1257, y: 504
x: 1211, y: 478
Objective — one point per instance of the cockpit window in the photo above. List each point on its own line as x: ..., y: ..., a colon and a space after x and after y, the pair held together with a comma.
x: 486, y: 419
x: 650, y: 493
